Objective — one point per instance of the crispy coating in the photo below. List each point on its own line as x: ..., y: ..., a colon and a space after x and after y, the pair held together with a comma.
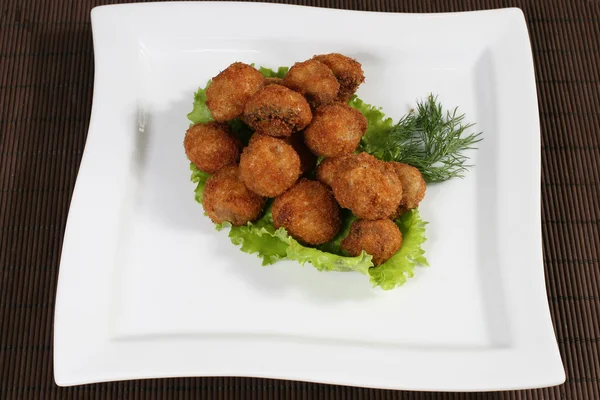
x: 211, y: 146
x: 226, y: 198
x: 277, y: 111
x: 370, y: 188
x: 348, y: 72
x: 269, y: 166
x: 273, y: 81
x: 308, y: 160
x: 336, y: 129
x: 413, y: 186
x: 308, y: 212
x: 230, y: 90
x: 314, y: 80
x: 380, y: 238
x: 327, y: 169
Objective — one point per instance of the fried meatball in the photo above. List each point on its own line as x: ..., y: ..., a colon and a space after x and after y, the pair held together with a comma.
x: 230, y: 90
x: 308, y: 160
x: 370, y: 188
x: 380, y: 238
x: 308, y: 212
x: 348, y: 72
x: 269, y: 166
x: 211, y: 146
x: 413, y: 186
x: 273, y: 81
x: 314, y: 80
x: 226, y: 198
x: 277, y: 111
x: 327, y: 169
x: 336, y: 129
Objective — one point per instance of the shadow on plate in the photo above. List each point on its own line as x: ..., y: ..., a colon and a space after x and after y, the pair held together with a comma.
x: 492, y: 286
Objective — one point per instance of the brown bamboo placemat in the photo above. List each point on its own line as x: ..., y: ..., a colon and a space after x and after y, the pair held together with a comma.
x: 46, y: 77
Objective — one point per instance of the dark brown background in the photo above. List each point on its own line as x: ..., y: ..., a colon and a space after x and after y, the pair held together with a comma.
x: 46, y: 76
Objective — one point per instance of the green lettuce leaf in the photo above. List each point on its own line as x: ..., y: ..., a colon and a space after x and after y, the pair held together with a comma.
x: 395, y: 271
x: 200, y: 114
x: 200, y: 178
x: 324, y: 261
x: 272, y: 245
x: 261, y: 238
x: 378, y: 127
x: 269, y: 73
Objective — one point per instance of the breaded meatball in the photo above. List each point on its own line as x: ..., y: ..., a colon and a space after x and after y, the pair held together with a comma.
x: 314, y: 80
x: 380, y: 238
x: 413, y: 186
x: 273, y: 81
x: 211, y: 146
x: 308, y: 160
x: 269, y: 166
x: 230, y: 90
x: 336, y: 129
x: 308, y: 212
x: 277, y: 111
x: 348, y: 72
x: 370, y: 188
x: 327, y: 169
x: 226, y: 198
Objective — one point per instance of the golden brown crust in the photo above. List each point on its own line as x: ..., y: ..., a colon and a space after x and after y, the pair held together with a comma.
x: 380, y: 238
x: 211, y: 146
x: 314, y: 80
x: 308, y: 212
x: 226, y: 198
x: 335, y: 130
x: 413, y: 186
x: 277, y: 111
x: 327, y: 170
x: 348, y: 72
x: 367, y: 186
x: 269, y: 166
x: 230, y: 90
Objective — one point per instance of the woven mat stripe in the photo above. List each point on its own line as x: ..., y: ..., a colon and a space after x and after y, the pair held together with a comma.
x: 575, y: 320
x: 38, y: 136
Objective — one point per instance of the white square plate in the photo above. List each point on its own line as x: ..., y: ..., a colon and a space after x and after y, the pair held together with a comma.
x: 149, y: 289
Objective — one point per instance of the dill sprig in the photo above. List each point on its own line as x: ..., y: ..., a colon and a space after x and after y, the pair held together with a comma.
x: 431, y: 140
